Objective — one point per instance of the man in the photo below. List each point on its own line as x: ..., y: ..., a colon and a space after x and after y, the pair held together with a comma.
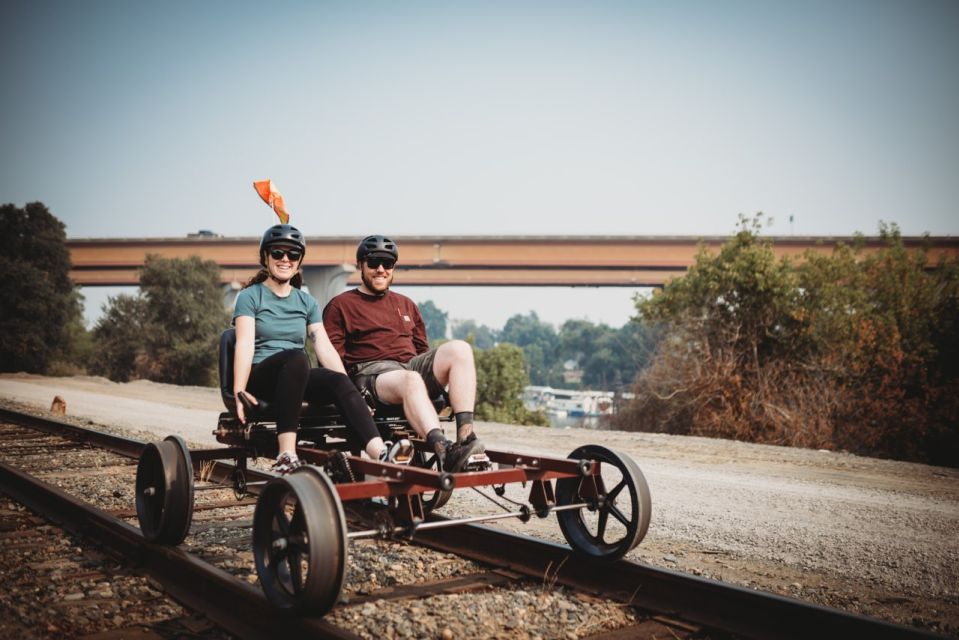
x: 381, y: 337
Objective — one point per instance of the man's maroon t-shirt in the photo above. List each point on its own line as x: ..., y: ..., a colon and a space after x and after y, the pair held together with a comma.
x: 364, y: 328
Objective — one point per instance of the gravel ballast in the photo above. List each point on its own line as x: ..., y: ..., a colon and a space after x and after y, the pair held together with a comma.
x: 870, y: 536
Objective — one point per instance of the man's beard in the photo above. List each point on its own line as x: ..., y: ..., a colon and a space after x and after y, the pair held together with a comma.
x: 368, y: 282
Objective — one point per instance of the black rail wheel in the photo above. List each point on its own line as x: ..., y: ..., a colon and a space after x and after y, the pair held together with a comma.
x: 164, y: 491
x: 617, y: 518
x: 299, y: 542
x: 432, y: 500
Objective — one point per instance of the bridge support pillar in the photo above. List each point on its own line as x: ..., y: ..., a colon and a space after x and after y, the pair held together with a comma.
x: 326, y: 282
x: 230, y: 290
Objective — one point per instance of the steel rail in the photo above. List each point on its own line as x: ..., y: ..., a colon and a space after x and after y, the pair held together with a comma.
x: 117, y: 444
x: 238, y: 607
x: 711, y: 604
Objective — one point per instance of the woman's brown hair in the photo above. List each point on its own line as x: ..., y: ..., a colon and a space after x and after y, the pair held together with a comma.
x: 263, y: 274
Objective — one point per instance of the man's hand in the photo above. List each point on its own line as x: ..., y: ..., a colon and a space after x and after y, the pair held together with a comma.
x: 370, y: 402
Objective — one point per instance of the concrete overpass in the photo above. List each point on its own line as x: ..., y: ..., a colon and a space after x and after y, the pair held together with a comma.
x: 607, y: 261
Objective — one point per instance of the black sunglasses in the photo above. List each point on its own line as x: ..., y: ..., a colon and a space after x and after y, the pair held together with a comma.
x: 292, y: 254
x: 376, y: 263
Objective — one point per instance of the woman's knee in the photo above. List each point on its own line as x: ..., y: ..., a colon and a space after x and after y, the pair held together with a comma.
x: 299, y: 358
x: 297, y: 363
x: 341, y: 384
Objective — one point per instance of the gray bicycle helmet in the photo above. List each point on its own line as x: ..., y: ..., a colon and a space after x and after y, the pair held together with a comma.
x: 285, y: 234
x: 376, y: 247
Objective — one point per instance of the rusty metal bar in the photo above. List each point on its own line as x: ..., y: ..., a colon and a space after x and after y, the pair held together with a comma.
x: 202, y: 455
x: 454, y: 522
x: 116, y: 444
x: 545, y: 463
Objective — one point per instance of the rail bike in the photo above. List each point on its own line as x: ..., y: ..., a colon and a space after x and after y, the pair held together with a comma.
x: 300, y: 529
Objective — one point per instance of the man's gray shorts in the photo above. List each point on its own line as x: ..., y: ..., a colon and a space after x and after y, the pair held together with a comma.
x: 364, y: 375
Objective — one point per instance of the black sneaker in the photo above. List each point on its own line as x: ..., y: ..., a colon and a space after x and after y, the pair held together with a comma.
x: 286, y: 463
x: 400, y: 452
x: 459, y: 456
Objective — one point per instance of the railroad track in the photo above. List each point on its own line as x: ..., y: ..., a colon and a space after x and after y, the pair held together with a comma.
x: 213, y: 572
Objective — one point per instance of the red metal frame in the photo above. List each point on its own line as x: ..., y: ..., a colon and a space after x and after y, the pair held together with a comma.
x: 395, y: 480
x: 407, y: 482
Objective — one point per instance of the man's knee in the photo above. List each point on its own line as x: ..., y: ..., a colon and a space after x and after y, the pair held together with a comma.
x: 400, y: 385
x: 412, y: 384
x: 458, y: 351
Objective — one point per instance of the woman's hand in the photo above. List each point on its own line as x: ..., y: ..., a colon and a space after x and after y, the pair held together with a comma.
x: 240, y: 408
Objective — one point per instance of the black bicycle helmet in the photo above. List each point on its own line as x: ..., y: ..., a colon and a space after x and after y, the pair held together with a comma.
x: 285, y: 234
x: 376, y: 247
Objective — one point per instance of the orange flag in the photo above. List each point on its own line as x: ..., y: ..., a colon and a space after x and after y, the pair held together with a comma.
x: 273, y: 198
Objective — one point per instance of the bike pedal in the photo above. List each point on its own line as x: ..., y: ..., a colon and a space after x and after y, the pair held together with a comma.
x: 478, y: 462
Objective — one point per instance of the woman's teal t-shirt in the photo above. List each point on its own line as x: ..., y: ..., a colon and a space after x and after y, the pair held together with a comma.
x: 280, y: 322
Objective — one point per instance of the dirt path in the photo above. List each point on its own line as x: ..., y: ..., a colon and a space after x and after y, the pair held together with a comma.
x: 869, y: 536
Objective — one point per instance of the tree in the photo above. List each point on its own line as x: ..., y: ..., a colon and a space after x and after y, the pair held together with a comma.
x: 845, y: 351
x: 539, y: 343
x: 435, y: 320
x: 185, y: 316
x: 890, y: 330
x: 119, y: 336
x: 631, y: 347
x: 37, y: 298
x: 732, y: 351
x: 76, y: 358
x: 480, y: 335
x: 578, y: 339
x: 500, y: 379
x: 169, y: 331
x: 608, y: 358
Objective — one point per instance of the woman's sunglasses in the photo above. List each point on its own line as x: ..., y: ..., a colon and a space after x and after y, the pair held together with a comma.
x: 292, y: 254
x: 376, y: 263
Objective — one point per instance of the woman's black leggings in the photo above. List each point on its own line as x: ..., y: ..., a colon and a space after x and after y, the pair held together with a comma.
x: 285, y: 379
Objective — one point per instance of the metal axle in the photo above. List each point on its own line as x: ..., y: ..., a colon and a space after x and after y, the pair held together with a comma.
x: 426, y: 526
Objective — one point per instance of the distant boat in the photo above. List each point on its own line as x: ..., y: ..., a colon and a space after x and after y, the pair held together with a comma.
x: 566, y: 402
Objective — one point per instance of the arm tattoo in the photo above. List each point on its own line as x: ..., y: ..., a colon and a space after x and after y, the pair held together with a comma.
x: 312, y: 335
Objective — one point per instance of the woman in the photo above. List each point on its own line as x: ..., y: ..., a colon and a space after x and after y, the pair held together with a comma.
x: 271, y: 316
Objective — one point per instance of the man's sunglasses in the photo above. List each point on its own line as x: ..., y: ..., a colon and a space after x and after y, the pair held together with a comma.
x: 376, y: 263
x: 292, y: 254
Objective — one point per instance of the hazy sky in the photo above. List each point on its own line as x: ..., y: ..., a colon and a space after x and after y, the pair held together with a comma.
x: 135, y: 118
